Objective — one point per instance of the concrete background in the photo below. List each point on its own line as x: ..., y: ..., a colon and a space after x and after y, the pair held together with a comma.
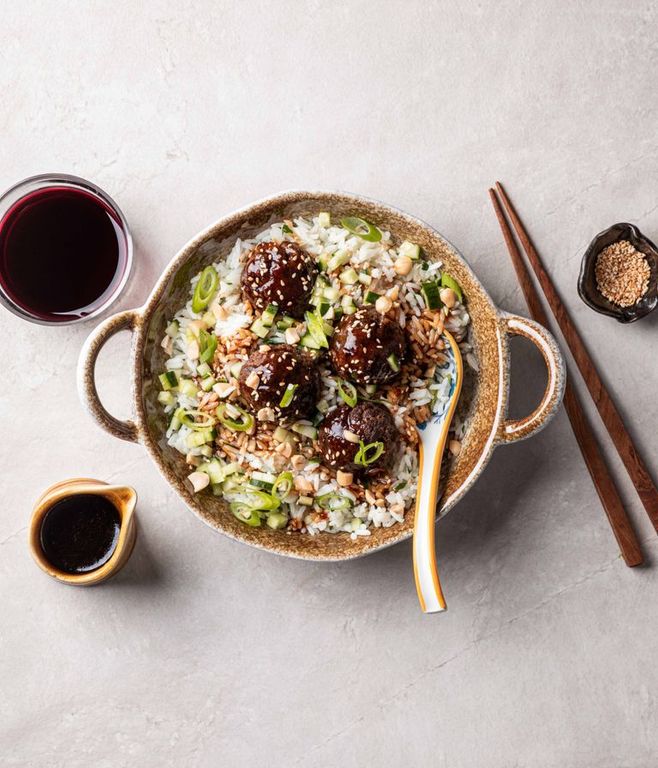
x: 204, y: 653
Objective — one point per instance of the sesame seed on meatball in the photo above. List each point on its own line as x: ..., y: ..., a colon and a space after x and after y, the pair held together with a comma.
x: 366, y: 423
x: 265, y: 376
x: 362, y: 344
x: 279, y: 273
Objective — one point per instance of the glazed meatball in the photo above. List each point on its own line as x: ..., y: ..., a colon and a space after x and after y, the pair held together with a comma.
x: 362, y: 344
x: 266, y: 375
x: 279, y: 273
x: 345, y: 428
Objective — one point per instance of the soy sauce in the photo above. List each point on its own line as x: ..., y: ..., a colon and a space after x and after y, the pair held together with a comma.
x: 62, y: 253
x: 80, y: 533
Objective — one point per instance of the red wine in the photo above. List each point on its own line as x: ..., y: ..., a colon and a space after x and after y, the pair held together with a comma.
x: 79, y: 533
x: 63, y: 252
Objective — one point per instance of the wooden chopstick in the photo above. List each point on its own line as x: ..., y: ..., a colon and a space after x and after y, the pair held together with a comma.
x: 589, y: 447
x: 610, y: 416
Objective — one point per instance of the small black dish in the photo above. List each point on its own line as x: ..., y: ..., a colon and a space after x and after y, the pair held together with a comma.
x: 588, y: 290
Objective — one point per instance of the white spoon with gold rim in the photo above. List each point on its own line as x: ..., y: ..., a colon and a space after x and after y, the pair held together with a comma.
x: 433, y: 436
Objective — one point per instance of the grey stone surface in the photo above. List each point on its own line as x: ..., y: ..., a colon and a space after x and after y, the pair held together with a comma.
x: 205, y: 653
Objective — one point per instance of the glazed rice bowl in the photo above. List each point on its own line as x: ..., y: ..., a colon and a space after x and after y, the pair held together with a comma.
x: 483, y: 405
x: 244, y: 464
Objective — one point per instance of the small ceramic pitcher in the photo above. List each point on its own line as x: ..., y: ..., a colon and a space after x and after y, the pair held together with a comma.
x: 122, y: 497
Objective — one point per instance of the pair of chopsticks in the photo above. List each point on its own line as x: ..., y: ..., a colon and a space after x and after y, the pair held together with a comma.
x: 631, y: 458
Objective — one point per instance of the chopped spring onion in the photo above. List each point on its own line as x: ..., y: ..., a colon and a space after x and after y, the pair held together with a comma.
x: 368, y: 454
x: 323, y: 307
x: 245, y: 513
x: 203, y: 369
x: 371, y: 297
x: 276, y: 520
x: 207, y: 346
x: 208, y: 383
x: 285, y: 322
x: 365, y: 278
x: 198, y: 420
x: 205, y: 289
x: 333, y: 501
x: 288, y: 395
x: 174, y: 424
x: 370, y: 389
x: 245, y: 423
x: 269, y: 314
x: 324, y: 219
x: 168, y: 380
x: 430, y: 291
x: 349, y: 276
x: 166, y: 398
x: 286, y: 230
x: 447, y: 281
x: 393, y: 362
x: 316, y: 330
x: 235, y: 369
x: 307, y: 501
x: 400, y: 486
x: 307, y: 430
x: 410, y: 249
x: 364, y: 229
x: 282, y: 485
x: 347, y: 391
x: 262, y: 500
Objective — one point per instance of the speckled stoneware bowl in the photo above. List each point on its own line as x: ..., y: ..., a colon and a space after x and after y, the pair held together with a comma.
x: 486, y: 413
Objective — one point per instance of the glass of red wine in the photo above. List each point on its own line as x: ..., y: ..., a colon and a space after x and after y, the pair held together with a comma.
x: 65, y: 249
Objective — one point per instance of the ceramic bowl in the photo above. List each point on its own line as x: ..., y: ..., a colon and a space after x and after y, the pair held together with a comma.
x: 122, y: 497
x: 488, y: 425
x: 587, y: 287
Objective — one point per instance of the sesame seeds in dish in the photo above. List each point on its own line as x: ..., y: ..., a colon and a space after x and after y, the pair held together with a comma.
x: 300, y: 367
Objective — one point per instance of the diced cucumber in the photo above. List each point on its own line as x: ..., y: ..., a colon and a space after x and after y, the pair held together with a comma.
x: 276, y: 520
x: 214, y: 469
x: 324, y: 219
x: 282, y: 435
x: 322, y: 406
x: 188, y: 387
x: 409, y: 249
x: 168, y: 380
x: 259, y: 328
x: 307, y: 501
x: 447, y: 281
x: 269, y: 314
x: 370, y: 389
x: 365, y: 278
x: 285, y: 322
x: 203, y: 369
x: 206, y: 450
x: 235, y: 369
x: 175, y: 423
x: 331, y: 293
x: 338, y: 260
x: 166, y: 398
x: 305, y: 429
x: 430, y: 291
x: 371, y: 297
x: 316, y: 330
x: 349, y: 276
x: 208, y: 383
x: 324, y: 307
x: 200, y: 437
x: 347, y: 303
x: 172, y: 329
x: 323, y: 262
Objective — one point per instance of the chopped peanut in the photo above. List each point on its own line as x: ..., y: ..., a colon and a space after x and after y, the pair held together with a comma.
x: 448, y: 297
x: 403, y: 265
x: 344, y: 478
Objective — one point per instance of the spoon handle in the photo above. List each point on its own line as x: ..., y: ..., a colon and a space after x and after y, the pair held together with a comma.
x: 428, y: 586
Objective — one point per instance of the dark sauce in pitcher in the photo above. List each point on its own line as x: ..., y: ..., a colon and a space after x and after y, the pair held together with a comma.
x: 79, y: 533
x: 62, y: 253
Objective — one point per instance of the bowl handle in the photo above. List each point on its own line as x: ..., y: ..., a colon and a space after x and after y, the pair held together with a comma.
x: 126, y: 430
x: 511, y: 430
